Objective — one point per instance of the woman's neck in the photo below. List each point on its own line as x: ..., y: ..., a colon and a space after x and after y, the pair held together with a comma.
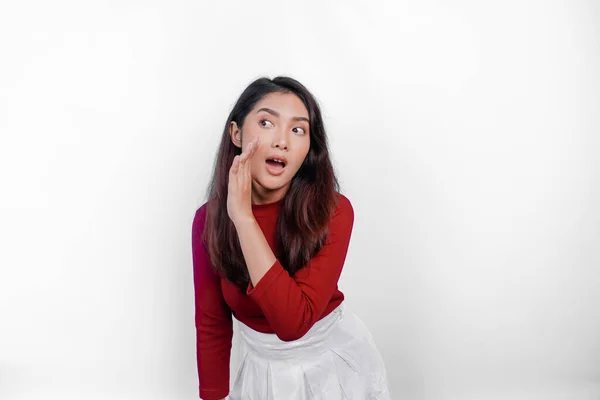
x: 260, y: 195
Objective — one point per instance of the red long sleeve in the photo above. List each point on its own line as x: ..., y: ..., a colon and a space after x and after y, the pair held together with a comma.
x: 292, y: 305
x: 214, y: 328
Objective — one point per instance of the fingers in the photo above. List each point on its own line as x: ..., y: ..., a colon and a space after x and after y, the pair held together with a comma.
x: 250, y: 150
x: 241, y: 162
x: 235, y: 166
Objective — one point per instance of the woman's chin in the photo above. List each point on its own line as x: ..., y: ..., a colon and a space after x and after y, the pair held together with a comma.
x: 272, y: 183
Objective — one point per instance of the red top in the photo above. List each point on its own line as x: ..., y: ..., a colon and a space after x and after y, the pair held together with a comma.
x: 280, y: 304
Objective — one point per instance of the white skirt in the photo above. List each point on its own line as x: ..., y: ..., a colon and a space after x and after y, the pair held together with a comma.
x: 336, y: 360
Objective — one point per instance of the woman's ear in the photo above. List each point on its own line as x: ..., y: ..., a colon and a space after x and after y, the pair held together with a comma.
x: 236, y: 134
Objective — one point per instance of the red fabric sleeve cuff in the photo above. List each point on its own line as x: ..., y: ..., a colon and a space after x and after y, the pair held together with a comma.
x: 266, y: 281
x: 213, y: 394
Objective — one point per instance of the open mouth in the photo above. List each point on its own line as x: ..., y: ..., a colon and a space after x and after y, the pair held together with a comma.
x: 275, y: 165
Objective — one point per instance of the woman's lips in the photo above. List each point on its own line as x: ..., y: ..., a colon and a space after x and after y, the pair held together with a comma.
x: 274, y: 168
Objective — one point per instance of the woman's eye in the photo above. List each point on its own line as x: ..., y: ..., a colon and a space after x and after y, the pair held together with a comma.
x: 302, y: 131
x: 265, y: 123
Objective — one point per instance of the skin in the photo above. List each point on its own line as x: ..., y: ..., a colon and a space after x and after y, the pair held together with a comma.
x: 284, y: 134
x: 249, y: 181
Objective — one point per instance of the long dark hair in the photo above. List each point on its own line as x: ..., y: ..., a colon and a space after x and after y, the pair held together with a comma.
x: 306, y: 208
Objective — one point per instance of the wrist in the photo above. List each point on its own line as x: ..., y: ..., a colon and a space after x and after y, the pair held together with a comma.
x: 243, y: 221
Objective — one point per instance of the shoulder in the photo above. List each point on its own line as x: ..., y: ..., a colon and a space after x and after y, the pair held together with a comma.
x: 199, y: 220
x: 341, y: 222
x: 343, y: 207
x: 343, y: 216
x: 201, y: 211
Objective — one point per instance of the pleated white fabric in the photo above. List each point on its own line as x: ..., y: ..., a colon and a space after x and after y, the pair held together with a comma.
x: 336, y: 360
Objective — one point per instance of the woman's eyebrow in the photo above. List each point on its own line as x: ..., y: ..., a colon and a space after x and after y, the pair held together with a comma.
x: 275, y: 113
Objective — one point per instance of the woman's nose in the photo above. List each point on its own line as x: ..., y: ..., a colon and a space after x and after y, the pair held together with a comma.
x: 279, y: 141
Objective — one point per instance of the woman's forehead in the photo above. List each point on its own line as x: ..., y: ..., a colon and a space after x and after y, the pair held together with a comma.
x: 285, y: 104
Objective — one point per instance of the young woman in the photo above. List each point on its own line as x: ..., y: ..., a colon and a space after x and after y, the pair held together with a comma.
x: 268, y: 249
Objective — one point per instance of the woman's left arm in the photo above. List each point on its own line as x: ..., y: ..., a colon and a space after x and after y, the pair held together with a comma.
x: 239, y: 209
x: 292, y: 305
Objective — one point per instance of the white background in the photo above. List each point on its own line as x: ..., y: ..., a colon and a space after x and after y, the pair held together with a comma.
x: 466, y: 135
